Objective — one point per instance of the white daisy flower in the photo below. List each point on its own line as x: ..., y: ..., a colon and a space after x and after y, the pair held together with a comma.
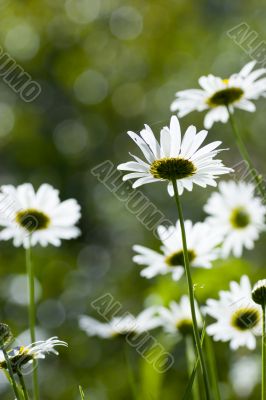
x: 174, y: 159
x: 202, y: 242
x: 22, y: 355
x: 177, y: 318
x: 121, y: 326
x: 30, y: 218
x: 238, y: 316
x: 237, y: 214
x: 217, y: 94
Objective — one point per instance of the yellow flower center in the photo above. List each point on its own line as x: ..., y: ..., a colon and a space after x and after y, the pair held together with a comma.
x: 225, y: 97
x: 170, y: 168
x: 239, y: 218
x: 177, y: 259
x: 185, y: 327
x: 32, y: 220
x: 246, y: 318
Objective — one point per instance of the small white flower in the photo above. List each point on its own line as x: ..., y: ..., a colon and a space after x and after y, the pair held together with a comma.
x: 174, y: 158
x: 177, y: 318
x: 202, y: 242
x: 30, y: 218
x: 238, y: 316
x: 249, y: 368
x: 119, y: 326
x: 216, y: 94
x: 237, y: 214
x: 22, y: 355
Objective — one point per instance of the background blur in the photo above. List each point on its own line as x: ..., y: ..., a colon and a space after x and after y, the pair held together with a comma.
x: 107, y: 66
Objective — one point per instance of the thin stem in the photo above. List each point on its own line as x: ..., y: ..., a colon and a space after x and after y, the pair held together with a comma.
x: 191, y: 292
x: 263, y: 356
x: 130, y: 373
x: 190, y: 354
x: 245, y: 155
x: 32, y: 314
x: 10, y: 370
x: 22, y: 383
x: 212, y: 367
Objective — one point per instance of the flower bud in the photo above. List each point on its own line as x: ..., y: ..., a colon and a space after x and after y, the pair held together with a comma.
x: 259, y: 292
x: 5, y: 334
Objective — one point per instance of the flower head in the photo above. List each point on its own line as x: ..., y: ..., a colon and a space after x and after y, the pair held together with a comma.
x: 120, y: 326
x: 217, y: 94
x: 259, y: 292
x: 22, y: 355
x: 202, y: 242
x: 174, y: 158
x: 238, y: 317
x: 5, y: 335
x: 177, y: 318
x: 237, y: 214
x: 30, y: 218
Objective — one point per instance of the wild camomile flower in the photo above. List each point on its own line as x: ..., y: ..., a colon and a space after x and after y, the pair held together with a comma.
x: 216, y: 94
x: 177, y: 318
x: 174, y: 159
x: 30, y: 217
x: 238, y: 316
x: 121, y: 326
x: 202, y: 243
x: 237, y: 214
x: 20, y: 356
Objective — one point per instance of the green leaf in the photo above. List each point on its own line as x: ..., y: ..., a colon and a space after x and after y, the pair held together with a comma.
x: 82, y: 395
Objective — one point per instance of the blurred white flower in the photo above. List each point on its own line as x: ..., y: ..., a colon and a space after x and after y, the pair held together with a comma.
x: 177, y: 318
x: 237, y: 214
x: 238, y: 317
x: 22, y: 355
x: 119, y: 326
x: 30, y: 218
x: 217, y: 94
x: 174, y: 158
x: 248, y: 367
x: 202, y: 242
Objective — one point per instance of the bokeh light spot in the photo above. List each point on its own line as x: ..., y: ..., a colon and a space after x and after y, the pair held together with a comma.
x: 22, y: 42
x: 126, y: 23
x: 82, y: 11
x: 70, y: 137
x: 91, y: 87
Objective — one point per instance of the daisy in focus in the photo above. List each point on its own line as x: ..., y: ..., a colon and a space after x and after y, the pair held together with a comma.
x: 237, y: 214
x: 21, y: 356
x: 30, y: 217
x: 202, y: 242
x: 121, y: 326
x: 177, y: 318
x: 238, y: 317
x: 216, y: 94
x: 174, y: 159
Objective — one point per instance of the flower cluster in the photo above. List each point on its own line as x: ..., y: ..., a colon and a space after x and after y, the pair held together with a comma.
x: 235, y: 218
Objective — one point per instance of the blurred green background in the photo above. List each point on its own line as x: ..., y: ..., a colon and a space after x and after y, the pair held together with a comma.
x: 105, y: 67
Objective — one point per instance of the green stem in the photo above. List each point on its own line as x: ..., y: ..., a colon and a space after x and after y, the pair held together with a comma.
x: 190, y: 353
x: 130, y: 374
x: 245, y: 155
x: 22, y: 383
x: 13, y: 381
x: 263, y: 356
x: 32, y: 314
x: 212, y: 367
x: 191, y: 292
